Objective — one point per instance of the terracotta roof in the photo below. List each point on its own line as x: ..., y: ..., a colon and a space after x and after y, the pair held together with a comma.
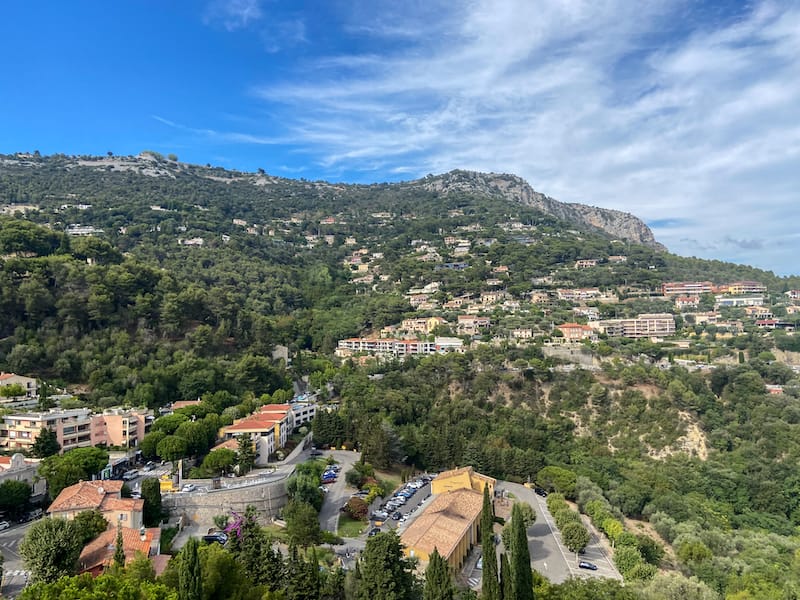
x: 453, y: 472
x: 252, y: 424
x: 160, y: 562
x: 5, y: 461
x: 84, y: 495
x: 100, y: 551
x: 444, y: 523
x: 231, y: 444
x: 5, y: 376
x: 121, y: 504
x: 185, y: 403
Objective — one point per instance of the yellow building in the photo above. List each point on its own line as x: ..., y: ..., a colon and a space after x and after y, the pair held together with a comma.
x: 449, y: 524
x: 464, y: 478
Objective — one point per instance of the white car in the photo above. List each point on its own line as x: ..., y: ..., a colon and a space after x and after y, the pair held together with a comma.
x: 188, y: 487
x: 4, y: 525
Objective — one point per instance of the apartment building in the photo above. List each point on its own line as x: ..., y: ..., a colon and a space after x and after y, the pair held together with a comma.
x: 740, y: 288
x: 393, y: 347
x: 656, y: 325
x: 686, y: 288
x: 268, y: 428
x: 73, y: 428
x: 121, y: 426
x: 738, y: 301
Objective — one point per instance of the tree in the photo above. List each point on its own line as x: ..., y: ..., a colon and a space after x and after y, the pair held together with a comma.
x: 506, y: 578
x: 302, y: 523
x: 14, y: 496
x: 119, y: 548
x: 223, y: 577
x: 520, y: 557
x: 246, y: 454
x: 626, y: 558
x: 575, y: 536
x: 219, y: 461
x: 190, y: 580
x: 50, y: 549
x: 46, y: 444
x: 491, y: 584
x: 253, y: 550
x: 558, y: 479
x: 12, y: 391
x: 90, y: 524
x: 72, y: 467
x: 151, y: 494
x: 172, y: 448
x: 149, y: 444
x: 383, y: 571
x: 438, y: 584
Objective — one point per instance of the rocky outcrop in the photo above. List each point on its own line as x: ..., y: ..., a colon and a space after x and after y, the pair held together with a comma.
x: 615, y: 223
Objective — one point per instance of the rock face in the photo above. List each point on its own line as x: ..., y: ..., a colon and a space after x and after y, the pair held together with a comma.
x: 618, y: 224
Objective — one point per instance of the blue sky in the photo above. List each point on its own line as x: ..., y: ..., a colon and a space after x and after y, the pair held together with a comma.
x: 686, y: 114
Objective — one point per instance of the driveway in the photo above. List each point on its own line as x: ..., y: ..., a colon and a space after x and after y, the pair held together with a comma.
x: 338, y: 492
x: 549, y: 556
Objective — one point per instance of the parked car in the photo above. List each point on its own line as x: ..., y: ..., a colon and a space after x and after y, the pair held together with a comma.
x: 374, y: 531
x: 397, y: 516
x: 587, y: 565
x: 540, y: 492
x: 380, y: 514
x: 219, y: 537
x: 4, y: 525
x: 188, y: 487
x: 130, y: 475
x: 149, y: 466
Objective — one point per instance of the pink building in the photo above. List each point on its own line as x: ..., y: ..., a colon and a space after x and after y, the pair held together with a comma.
x: 121, y: 426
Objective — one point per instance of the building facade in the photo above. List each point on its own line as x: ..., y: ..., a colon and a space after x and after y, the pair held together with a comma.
x: 644, y: 326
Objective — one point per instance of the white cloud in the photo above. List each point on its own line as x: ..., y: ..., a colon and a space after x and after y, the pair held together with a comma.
x: 654, y: 110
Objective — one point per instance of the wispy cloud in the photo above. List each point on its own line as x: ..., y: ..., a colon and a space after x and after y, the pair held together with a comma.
x: 677, y: 117
x: 233, y: 14
x: 214, y: 135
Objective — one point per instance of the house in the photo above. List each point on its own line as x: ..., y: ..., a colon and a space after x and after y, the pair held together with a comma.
x: 742, y: 288
x: 684, y: 302
x: 758, y: 312
x: 98, y: 554
x: 738, y: 301
x: 105, y: 496
x: 617, y: 259
x: 28, y: 384
x: 19, y: 468
x: 586, y: 263
x: 422, y: 325
x: 522, y: 334
x: 575, y: 332
x: 577, y: 295
x: 449, y: 525
x: 471, y: 325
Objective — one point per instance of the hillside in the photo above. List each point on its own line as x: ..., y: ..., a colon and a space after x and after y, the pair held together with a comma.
x: 458, y: 319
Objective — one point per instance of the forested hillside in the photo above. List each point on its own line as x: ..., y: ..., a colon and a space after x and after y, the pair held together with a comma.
x: 145, y: 281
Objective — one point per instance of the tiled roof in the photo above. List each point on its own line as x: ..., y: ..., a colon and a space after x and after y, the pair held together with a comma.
x: 121, y: 504
x: 454, y: 472
x: 231, y: 444
x: 84, y: 495
x: 6, y: 376
x: 100, y: 551
x: 444, y: 523
x: 252, y: 424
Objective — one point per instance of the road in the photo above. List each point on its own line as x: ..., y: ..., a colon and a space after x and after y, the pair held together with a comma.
x: 14, y: 575
x: 549, y: 556
x: 338, y: 492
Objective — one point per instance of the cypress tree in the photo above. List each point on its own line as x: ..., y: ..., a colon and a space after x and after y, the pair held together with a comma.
x: 119, y: 551
x: 438, y: 585
x: 520, y: 557
x: 190, y: 581
x: 506, y: 580
x: 490, y: 589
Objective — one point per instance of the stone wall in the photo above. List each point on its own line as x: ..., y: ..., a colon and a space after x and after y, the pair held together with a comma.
x: 200, y: 508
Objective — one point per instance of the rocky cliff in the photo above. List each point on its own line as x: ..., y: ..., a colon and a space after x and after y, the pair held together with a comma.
x: 615, y: 223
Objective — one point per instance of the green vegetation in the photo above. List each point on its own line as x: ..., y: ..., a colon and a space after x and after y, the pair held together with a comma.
x: 132, y: 316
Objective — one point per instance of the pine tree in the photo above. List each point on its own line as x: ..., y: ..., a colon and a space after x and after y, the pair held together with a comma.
x: 520, y: 557
x: 490, y: 589
x: 438, y: 584
x: 384, y: 573
x: 506, y: 580
x: 190, y: 581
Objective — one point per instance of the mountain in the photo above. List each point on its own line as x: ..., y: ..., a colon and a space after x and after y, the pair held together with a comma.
x: 151, y: 165
x: 615, y: 223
